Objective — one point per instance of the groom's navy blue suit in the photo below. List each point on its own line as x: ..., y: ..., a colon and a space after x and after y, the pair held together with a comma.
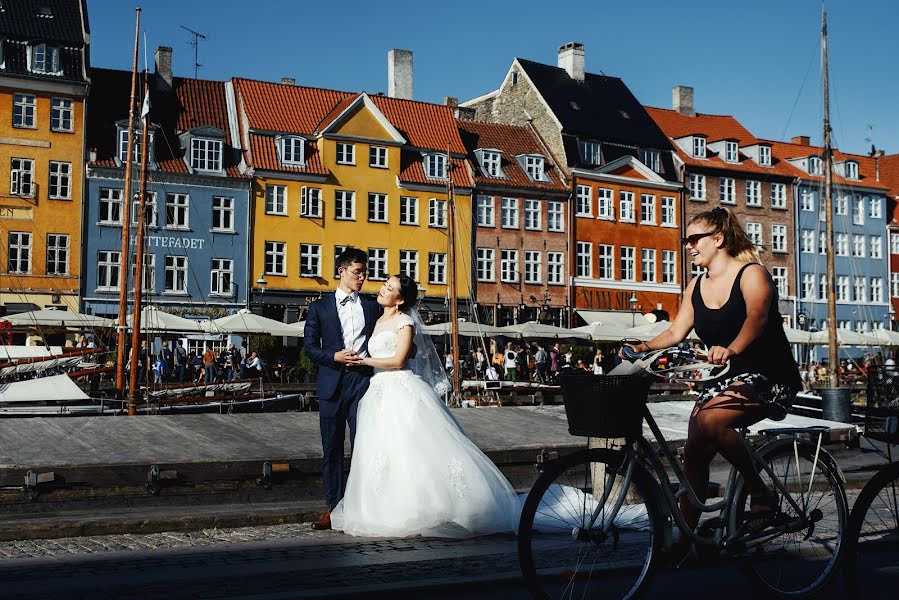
x: 338, y: 386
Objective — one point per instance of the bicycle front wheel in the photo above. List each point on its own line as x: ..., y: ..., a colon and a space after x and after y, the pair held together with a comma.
x: 873, y: 530
x: 585, y: 532
x: 799, y: 561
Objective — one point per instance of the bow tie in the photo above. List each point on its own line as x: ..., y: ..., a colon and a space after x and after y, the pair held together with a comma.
x: 347, y: 299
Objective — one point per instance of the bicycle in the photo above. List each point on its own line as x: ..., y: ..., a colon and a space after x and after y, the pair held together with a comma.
x: 595, y: 521
x: 874, y: 521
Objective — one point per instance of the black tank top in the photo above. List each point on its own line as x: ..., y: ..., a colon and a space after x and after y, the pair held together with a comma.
x: 769, y: 354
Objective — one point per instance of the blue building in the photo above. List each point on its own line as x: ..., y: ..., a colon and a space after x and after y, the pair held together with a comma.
x: 197, y: 218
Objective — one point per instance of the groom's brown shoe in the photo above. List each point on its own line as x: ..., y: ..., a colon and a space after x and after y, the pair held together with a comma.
x: 324, y: 522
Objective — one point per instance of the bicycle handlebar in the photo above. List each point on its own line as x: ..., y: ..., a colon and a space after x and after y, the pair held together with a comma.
x: 685, y: 359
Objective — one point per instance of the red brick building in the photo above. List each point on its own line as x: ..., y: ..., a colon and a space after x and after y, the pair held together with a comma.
x: 888, y: 167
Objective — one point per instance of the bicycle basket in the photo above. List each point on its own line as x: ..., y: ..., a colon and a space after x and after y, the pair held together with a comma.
x: 882, y: 409
x: 609, y: 406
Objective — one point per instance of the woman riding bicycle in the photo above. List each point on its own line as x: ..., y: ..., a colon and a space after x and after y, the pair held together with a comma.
x: 733, y: 307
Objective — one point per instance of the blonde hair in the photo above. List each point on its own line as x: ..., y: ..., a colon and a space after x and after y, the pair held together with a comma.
x: 736, y: 242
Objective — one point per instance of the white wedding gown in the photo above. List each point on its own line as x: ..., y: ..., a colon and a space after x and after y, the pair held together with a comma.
x: 414, y: 472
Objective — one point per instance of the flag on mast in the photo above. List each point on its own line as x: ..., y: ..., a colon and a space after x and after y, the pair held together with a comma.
x: 145, y: 110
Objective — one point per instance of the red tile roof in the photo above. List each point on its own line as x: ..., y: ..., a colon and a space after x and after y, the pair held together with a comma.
x: 203, y: 103
x: 412, y: 171
x: 264, y: 156
x: 511, y: 140
x: 867, y: 173
x: 889, y: 173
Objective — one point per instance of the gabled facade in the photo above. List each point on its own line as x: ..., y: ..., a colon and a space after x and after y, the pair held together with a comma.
x: 197, y: 218
x: 519, y: 254
x: 44, y: 77
x: 621, y: 174
x: 334, y: 169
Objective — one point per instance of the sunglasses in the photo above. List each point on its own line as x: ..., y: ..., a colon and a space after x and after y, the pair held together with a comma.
x: 692, y: 240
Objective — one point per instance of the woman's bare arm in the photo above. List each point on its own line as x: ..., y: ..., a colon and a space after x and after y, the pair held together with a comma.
x: 403, y: 347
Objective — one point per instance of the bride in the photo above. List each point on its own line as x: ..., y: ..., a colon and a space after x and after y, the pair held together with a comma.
x: 414, y: 472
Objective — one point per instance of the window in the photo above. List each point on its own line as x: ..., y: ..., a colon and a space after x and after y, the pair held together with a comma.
x: 779, y: 275
x: 408, y: 210
x: 822, y: 242
x: 876, y: 208
x: 110, y: 207
x: 583, y: 262
x: 808, y: 241
x: 276, y: 200
x: 310, y: 202
x: 699, y: 147
x: 668, y: 217
x: 177, y: 211
x: 778, y: 195
x: 841, y: 204
x: 221, y: 280
x: 754, y: 233
x: 555, y: 216
x: 858, y: 246
x: 851, y: 170
x: 346, y: 153
x: 861, y: 289
x: 24, y: 108
x: 175, y: 275
x: 377, y: 157
x: 731, y: 151
x: 753, y: 193
x: 876, y: 289
x: 876, y: 246
x: 44, y: 59
x: 436, y: 213
x: 377, y: 264
x: 842, y: 288
x: 589, y: 152
x: 894, y: 285
x: 435, y: 166
x: 647, y: 209
x: 842, y: 245
x: 648, y: 265
x: 436, y: 268
x: 123, y: 146
x: 605, y: 254
x: 409, y: 264
x: 843, y: 325
x: 21, y: 177
x: 206, y: 154
x: 626, y: 207
x: 765, y: 156
x: 651, y: 158
x: 19, y: 252
x: 148, y: 272
x: 338, y: 250
x: 344, y: 205
x: 57, y: 254
x: 508, y: 266
x: 807, y: 200
x: 310, y: 260
x: 778, y: 238
x: 149, y: 210
x: 894, y: 243
x: 275, y: 258
x: 532, y: 264
x: 377, y: 208
x: 222, y: 213
x: 490, y: 162
x: 727, y: 190
x: 606, y: 208
x: 291, y: 149
x: 509, y: 213
x: 697, y: 187
x: 60, y: 187
x: 533, y: 165
x: 532, y: 215
x: 584, y: 201
x: 628, y: 255
x: 485, y: 264
x: 555, y: 268
x: 485, y: 214
x: 861, y: 326
x: 108, y: 265
x: 815, y: 166
x: 858, y: 211
x: 808, y: 286
x: 669, y: 266
x: 61, y: 114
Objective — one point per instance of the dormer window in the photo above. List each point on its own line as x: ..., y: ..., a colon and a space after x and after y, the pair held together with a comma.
x: 435, y: 166
x: 851, y: 170
x: 44, y: 59
x: 533, y: 166
x: 138, y: 139
x: 815, y: 166
x: 490, y: 162
x: 290, y: 149
x: 765, y: 156
x: 698, y: 147
x: 651, y: 158
x: 589, y: 152
x: 731, y: 151
x: 206, y: 154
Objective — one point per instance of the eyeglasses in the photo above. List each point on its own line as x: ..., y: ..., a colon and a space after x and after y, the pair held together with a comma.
x: 356, y: 273
x: 692, y: 240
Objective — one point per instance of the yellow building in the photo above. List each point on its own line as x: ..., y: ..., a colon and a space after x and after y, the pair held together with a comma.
x: 43, y: 84
x: 336, y: 169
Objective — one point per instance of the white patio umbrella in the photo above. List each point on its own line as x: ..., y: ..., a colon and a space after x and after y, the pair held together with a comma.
x: 466, y: 328
x: 798, y: 336
x: 603, y: 333
x: 299, y: 327
x: 885, y: 337
x: 845, y: 337
x: 647, y: 332
x: 154, y: 320
x: 532, y: 329
x: 244, y: 322
x: 51, y: 317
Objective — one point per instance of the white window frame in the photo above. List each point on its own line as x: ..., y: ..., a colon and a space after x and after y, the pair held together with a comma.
x: 842, y: 288
x: 841, y: 247
x: 765, y: 156
x: 486, y: 216
x: 533, y: 267
x: 486, y: 264
x: 206, y: 154
x: 534, y: 167
x: 697, y: 186
x: 648, y: 265
x: 807, y: 200
x: 605, y: 202
x: 605, y: 262
x: 555, y: 216
x: 177, y: 268
x: 753, y: 193
x: 815, y: 165
x: 378, y: 157
x: 111, y: 199
x: 344, y: 205
x: 24, y: 112
x: 44, y: 58
x: 808, y: 242
x: 651, y: 158
x: 860, y: 289
x: 699, y: 147
x: 533, y: 214
x: 876, y: 208
x: 851, y: 170
x: 346, y: 153
x: 876, y: 247
x: 149, y: 210
x: 19, y: 253
x: 490, y: 163
x: 555, y: 268
x: 858, y: 210
x: 377, y: 207
x: 508, y: 265
x: 310, y: 202
x: 408, y: 210
x: 292, y: 150
x: 437, y: 213
x: 669, y: 266
x: 727, y: 190
x: 276, y: 199
x: 148, y: 272
x: 310, y: 260
x: 894, y: 285
x: 109, y: 265
x: 437, y: 268
x: 62, y: 115
x: 808, y: 286
x: 59, y: 186
x: 509, y: 213
x: 21, y: 177
x: 583, y: 262
x: 177, y: 211
x: 626, y: 208
x: 590, y: 152
x: 858, y: 246
x: 223, y: 211
x: 877, y: 289
x: 57, y: 262
x: 754, y: 233
x: 221, y: 273
x: 894, y: 243
x: 627, y: 259
x: 409, y: 264
x: 275, y: 262
x: 583, y: 201
x: 779, y: 196
x: 669, y: 211
x: 731, y: 151
x: 434, y: 164
x: 781, y: 281
x: 647, y: 209
x: 778, y: 238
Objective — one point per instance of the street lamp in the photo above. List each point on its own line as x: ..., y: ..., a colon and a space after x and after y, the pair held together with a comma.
x: 261, y: 283
x: 633, y: 302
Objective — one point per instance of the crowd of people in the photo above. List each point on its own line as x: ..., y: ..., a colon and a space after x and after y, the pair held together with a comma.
x: 175, y: 364
x: 815, y: 374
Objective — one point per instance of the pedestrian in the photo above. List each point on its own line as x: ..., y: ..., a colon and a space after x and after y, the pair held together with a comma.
x: 597, y: 362
x: 209, y: 364
x: 509, y: 363
x: 554, y: 354
x: 499, y: 359
x: 254, y: 365
x: 541, y: 360
x: 180, y: 361
x: 479, y: 363
x: 167, y: 361
x: 158, y: 368
x: 521, y: 363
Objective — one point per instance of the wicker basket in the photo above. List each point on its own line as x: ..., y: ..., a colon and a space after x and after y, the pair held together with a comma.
x: 882, y: 410
x: 608, y: 406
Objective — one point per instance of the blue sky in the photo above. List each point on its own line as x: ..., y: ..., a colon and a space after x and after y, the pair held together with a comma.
x: 755, y: 60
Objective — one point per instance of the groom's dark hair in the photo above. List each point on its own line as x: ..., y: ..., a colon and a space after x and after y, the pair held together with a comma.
x: 408, y: 291
x: 351, y: 255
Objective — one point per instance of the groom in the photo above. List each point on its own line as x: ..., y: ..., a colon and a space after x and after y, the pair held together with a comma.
x: 338, y: 326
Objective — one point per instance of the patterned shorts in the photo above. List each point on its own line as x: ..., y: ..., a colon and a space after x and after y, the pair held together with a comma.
x: 777, y: 396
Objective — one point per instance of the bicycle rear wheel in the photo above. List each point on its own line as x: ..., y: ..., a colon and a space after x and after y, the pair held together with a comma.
x: 873, y: 530
x: 798, y: 562
x: 564, y: 552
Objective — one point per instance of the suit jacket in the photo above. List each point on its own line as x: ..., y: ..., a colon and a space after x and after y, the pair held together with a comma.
x: 323, y: 337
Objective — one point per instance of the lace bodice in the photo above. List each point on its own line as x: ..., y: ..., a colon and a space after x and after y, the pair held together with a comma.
x: 382, y: 343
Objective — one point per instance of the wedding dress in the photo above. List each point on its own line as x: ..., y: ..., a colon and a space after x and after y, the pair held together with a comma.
x: 414, y: 472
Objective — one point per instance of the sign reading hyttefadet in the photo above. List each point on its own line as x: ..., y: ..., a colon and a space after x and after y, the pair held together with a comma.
x: 156, y: 241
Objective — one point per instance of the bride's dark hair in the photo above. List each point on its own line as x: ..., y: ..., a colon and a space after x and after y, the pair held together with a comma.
x: 408, y: 292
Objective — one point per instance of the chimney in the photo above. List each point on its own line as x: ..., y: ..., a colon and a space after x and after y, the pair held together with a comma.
x: 399, y: 74
x: 682, y: 100
x: 164, y: 65
x: 802, y: 140
x: 450, y: 101
x: 288, y: 81
x: 571, y: 58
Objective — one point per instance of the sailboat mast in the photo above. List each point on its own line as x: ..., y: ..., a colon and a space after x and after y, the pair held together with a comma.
x: 834, y: 368
x: 126, y: 223
x: 453, y: 296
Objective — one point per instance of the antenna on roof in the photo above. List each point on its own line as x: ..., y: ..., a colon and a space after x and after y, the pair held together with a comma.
x: 196, y: 46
